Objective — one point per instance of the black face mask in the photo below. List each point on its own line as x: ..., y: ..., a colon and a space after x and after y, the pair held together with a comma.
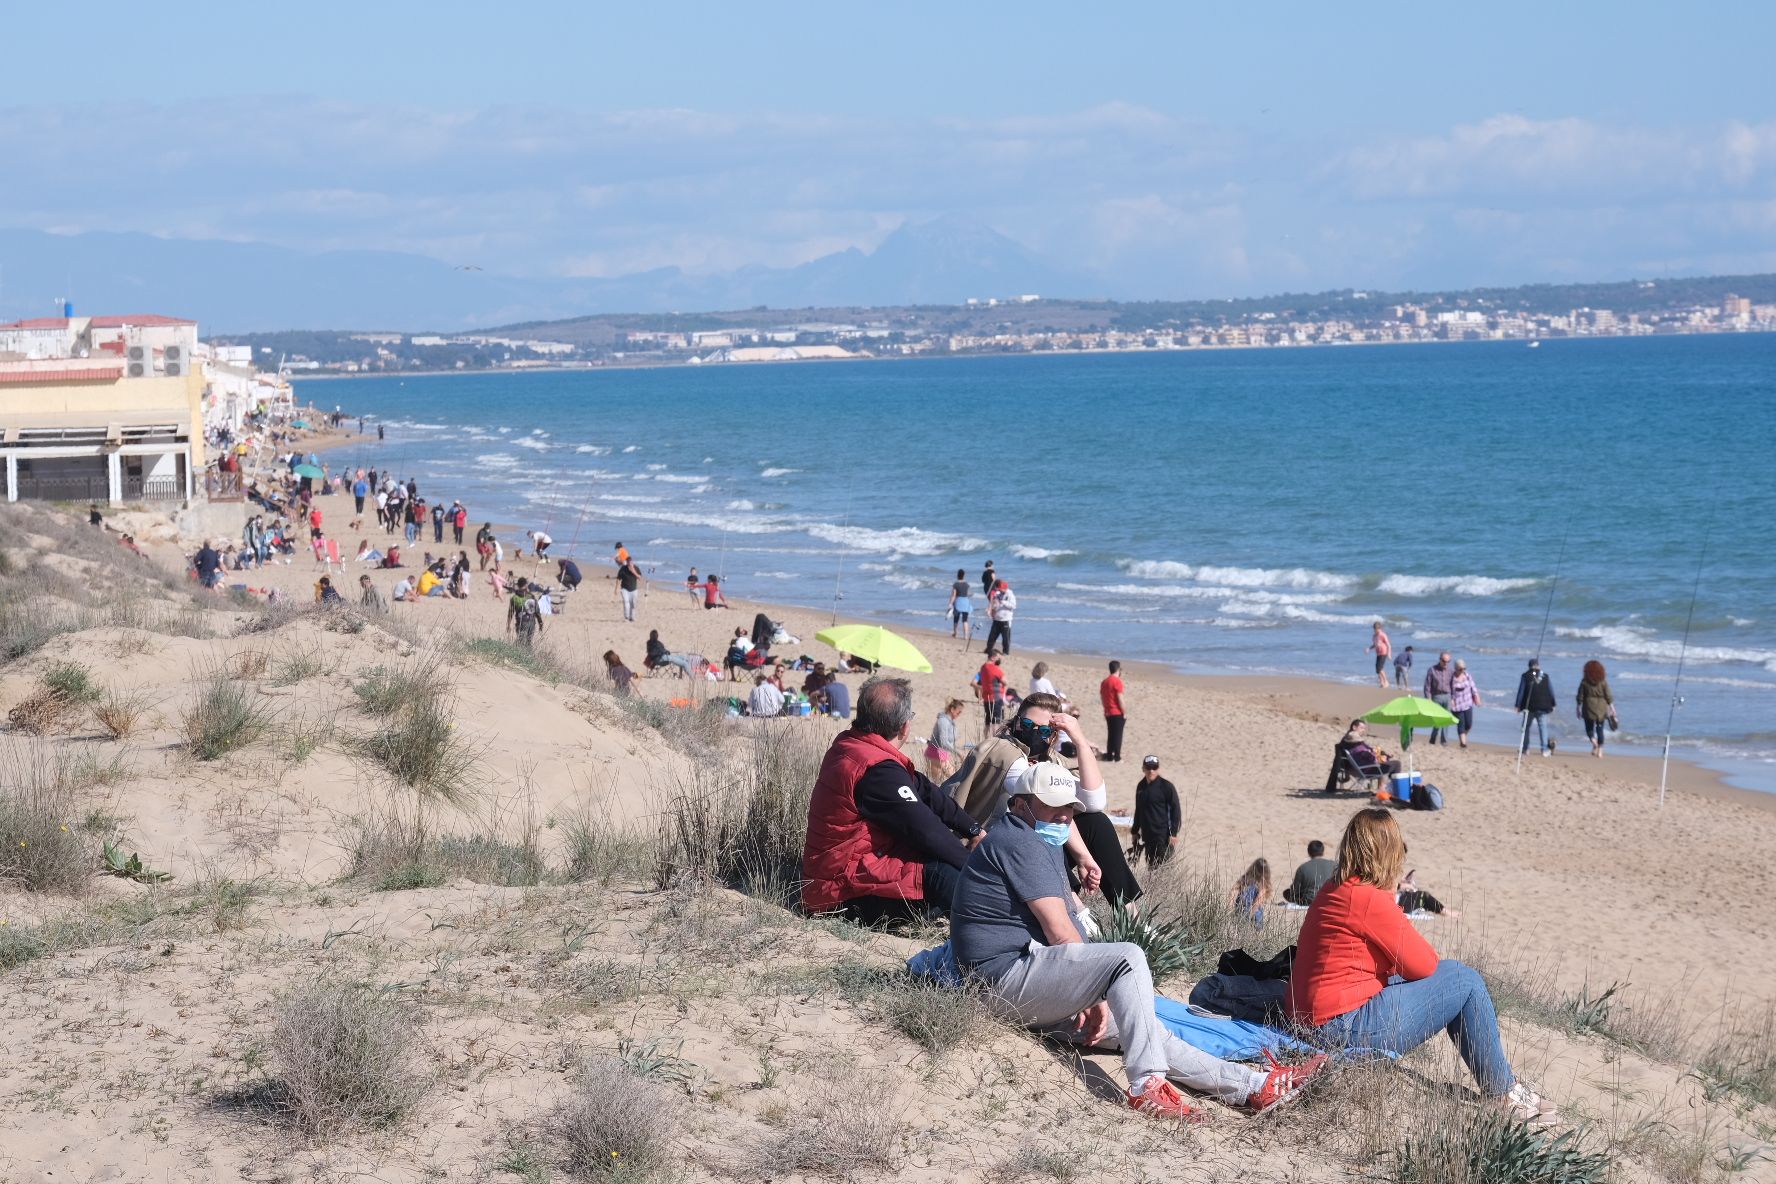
x: 1033, y: 739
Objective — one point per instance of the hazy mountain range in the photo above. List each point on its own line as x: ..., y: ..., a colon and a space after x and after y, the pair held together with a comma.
x: 234, y: 287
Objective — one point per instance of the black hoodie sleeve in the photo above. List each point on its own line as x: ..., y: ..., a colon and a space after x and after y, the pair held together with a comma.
x: 915, y: 811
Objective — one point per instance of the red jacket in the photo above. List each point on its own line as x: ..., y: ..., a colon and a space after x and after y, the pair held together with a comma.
x: 1354, y: 938
x: 846, y: 856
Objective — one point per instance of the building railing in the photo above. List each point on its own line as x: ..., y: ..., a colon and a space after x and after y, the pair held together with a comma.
x: 93, y: 488
x: 153, y: 489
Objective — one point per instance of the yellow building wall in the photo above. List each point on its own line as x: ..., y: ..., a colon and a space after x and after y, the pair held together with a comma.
x: 180, y: 398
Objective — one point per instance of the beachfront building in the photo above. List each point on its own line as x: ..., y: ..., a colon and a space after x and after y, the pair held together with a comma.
x: 102, y: 409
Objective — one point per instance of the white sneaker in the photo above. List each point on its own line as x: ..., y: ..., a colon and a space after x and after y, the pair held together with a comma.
x: 1547, y: 752
x: 1524, y: 1105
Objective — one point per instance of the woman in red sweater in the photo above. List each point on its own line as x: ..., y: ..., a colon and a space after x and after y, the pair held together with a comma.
x: 1365, y: 978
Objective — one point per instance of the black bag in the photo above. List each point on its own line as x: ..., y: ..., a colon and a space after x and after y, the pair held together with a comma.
x: 1242, y: 997
x: 1239, y: 962
x: 1426, y: 796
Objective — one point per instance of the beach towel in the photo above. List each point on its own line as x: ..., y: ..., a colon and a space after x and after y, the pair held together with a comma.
x: 1219, y: 1036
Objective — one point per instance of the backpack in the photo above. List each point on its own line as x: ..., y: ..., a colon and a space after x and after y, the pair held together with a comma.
x: 1426, y: 796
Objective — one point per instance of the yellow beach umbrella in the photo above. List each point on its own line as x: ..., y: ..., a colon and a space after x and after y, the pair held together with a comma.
x: 875, y: 644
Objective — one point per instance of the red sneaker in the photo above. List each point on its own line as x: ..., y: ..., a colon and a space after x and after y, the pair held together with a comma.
x: 1161, y: 1099
x: 1284, y: 1082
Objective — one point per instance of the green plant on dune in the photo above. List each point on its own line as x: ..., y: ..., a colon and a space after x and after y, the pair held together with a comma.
x: 225, y: 717
x: 73, y: 681
x: 1490, y: 1148
x: 113, y: 862
x: 1169, y: 945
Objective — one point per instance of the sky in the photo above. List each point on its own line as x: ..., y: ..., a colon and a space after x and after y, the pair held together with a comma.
x: 1154, y: 149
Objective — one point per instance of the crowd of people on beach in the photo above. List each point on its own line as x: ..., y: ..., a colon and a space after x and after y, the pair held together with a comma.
x: 1006, y: 848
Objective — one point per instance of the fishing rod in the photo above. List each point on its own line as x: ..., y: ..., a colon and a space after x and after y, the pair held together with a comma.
x: 839, y: 573
x: 1677, y: 684
x: 1523, y: 740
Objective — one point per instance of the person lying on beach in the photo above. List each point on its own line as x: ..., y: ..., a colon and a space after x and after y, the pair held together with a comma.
x: 1014, y: 931
x: 1413, y: 899
x: 1364, y: 977
x: 883, y: 842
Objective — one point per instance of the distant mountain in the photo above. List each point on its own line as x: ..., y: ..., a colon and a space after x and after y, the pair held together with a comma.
x: 234, y: 287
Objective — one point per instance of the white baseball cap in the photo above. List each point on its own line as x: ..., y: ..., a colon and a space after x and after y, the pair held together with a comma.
x: 1051, y: 784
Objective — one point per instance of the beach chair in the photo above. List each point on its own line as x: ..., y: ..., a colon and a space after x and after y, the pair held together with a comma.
x: 1349, y: 773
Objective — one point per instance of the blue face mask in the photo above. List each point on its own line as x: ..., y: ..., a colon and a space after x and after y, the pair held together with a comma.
x: 1053, y: 833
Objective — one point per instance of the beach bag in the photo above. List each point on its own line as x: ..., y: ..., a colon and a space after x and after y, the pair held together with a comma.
x: 1426, y: 796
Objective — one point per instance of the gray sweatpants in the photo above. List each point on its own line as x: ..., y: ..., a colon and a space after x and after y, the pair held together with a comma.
x: 1050, y: 985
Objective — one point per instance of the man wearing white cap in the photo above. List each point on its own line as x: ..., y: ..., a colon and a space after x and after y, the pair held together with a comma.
x: 1013, y: 931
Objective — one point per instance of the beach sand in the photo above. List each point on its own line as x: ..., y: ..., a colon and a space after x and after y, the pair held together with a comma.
x: 1568, y: 870
x: 1570, y: 862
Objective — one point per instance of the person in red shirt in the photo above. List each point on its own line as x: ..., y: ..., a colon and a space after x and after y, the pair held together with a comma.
x: 1364, y: 977
x: 991, y: 689
x: 1110, y: 691
x: 314, y: 523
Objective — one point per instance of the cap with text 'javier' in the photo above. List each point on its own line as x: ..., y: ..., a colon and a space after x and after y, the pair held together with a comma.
x: 1051, y: 784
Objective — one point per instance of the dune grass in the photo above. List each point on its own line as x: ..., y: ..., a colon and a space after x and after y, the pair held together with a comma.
x: 225, y: 717
x: 346, y: 1055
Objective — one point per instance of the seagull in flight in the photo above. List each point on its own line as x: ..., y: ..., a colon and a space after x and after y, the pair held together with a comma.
x: 467, y: 267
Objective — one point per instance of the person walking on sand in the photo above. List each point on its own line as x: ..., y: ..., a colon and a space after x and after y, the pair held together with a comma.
x: 1403, y: 668
x: 1437, y: 689
x: 628, y: 580
x: 1381, y: 647
x: 694, y: 586
x: 1597, y: 707
x: 1115, y: 717
x: 942, y: 754
x: 459, y: 519
x: 1004, y: 607
x: 960, y: 606
x: 1464, y: 696
x: 1014, y: 932
x: 1535, y: 702
x: 1158, y: 815
x: 990, y: 686
x: 523, y: 615
x: 438, y: 523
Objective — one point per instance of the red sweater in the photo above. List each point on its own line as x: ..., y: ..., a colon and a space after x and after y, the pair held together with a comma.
x: 1354, y: 938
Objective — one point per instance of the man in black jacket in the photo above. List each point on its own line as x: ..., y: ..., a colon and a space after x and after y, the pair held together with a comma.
x: 1158, y: 816
x: 1535, y: 701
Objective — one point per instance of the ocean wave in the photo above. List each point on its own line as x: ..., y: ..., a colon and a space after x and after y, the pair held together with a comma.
x: 723, y: 522
x: 497, y: 460
x: 775, y: 575
x: 1398, y: 585
x: 679, y: 478
x: 623, y: 497
x: 778, y: 472
x: 740, y: 504
x: 1023, y: 552
x: 1707, y: 680
x: 1204, y: 592
x: 502, y: 431
x: 593, y: 449
x: 907, y: 583
x: 906, y: 540
x: 1242, y: 577
x: 533, y: 443
x: 875, y: 567
x: 632, y: 448
x: 1641, y: 643
x: 703, y: 488
x: 656, y: 468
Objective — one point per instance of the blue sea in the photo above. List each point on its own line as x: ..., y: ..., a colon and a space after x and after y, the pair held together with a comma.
x: 1223, y: 512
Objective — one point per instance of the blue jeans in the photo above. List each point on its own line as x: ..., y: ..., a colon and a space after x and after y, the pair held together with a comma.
x: 1596, y: 730
x: 1440, y: 735
x: 1405, y: 1015
x: 1534, y: 719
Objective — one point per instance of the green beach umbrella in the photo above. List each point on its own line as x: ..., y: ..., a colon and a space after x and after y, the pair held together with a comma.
x: 875, y: 644
x: 1410, y: 712
x: 313, y: 472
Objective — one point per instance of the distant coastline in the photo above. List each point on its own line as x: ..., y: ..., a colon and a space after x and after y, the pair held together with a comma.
x: 680, y: 364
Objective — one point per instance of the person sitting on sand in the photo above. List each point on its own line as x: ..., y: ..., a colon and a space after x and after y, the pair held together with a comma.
x: 1311, y: 876
x: 766, y: 698
x: 1364, y: 977
x: 1251, y: 892
x: 941, y: 752
x: 430, y: 584
x: 326, y: 594
x: 393, y: 558
x: 883, y: 842
x: 405, y: 592
x: 712, y: 594
x: 1014, y: 931
x: 835, y: 696
x: 369, y: 598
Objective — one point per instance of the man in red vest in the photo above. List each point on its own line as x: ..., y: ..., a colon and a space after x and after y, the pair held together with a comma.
x: 884, y: 842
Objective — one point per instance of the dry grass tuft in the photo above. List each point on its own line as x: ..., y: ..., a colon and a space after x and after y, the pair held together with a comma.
x: 43, y: 712
x: 346, y: 1056
x: 120, y: 713
x: 225, y: 717
x: 615, y: 1126
x: 833, y: 1141
x: 42, y: 848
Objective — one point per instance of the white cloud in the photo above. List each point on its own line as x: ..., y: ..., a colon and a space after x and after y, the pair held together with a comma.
x: 1148, y: 203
